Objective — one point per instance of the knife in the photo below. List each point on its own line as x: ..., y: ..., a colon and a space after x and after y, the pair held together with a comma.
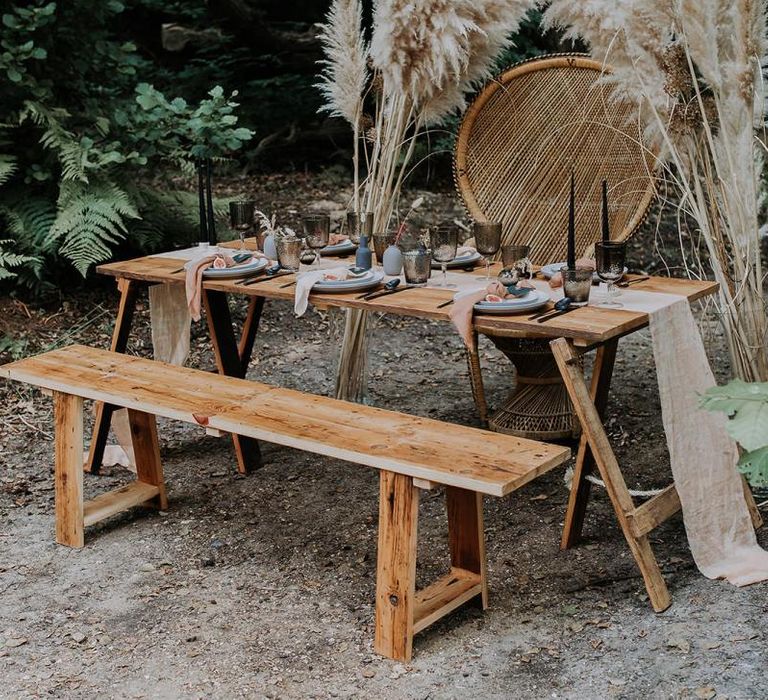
x: 262, y: 278
x: 634, y: 281
x: 557, y: 313
x: 386, y: 292
x: 539, y: 314
x: 389, y: 286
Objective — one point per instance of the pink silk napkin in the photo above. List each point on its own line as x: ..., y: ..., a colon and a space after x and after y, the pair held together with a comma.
x: 464, y: 306
x: 305, y: 283
x: 194, y: 283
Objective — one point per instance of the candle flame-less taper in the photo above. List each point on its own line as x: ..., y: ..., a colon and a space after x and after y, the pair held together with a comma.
x: 572, y: 226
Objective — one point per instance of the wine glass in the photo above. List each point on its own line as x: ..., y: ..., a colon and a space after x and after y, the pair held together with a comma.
x: 317, y: 229
x: 610, y: 256
x: 444, y: 241
x: 241, y: 218
x: 487, y: 242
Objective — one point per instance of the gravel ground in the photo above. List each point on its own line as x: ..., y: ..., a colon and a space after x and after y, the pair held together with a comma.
x: 262, y: 586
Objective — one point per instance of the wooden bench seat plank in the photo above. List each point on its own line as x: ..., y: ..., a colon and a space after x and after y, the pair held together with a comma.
x: 423, y: 448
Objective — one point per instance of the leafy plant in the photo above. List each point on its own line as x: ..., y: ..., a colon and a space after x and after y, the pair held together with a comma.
x: 78, y: 130
x: 746, y: 405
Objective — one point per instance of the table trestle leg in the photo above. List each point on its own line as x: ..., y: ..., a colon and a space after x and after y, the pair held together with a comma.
x: 608, y: 466
x: 129, y: 290
x: 602, y: 371
x: 231, y: 363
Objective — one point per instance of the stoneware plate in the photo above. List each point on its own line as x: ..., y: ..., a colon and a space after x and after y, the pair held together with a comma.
x: 370, y: 279
x: 463, y: 261
x: 246, y: 269
x: 531, y: 302
x: 548, y: 271
x: 339, y: 249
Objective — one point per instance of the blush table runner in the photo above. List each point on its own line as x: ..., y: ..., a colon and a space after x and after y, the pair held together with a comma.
x: 702, y: 455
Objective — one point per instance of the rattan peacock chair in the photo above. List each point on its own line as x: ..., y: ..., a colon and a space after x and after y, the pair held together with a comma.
x: 516, y: 146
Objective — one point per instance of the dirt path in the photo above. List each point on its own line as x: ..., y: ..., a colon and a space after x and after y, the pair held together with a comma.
x: 263, y: 586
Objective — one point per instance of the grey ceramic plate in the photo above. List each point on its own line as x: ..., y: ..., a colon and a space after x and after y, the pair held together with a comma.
x: 339, y: 248
x: 548, y: 271
x: 532, y: 301
x: 463, y: 261
x: 351, y: 285
x: 245, y: 270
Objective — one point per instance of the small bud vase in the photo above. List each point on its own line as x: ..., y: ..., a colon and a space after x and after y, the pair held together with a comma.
x: 393, y: 260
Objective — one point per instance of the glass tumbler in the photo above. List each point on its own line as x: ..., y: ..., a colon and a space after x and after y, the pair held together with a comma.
x: 289, y: 253
x: 381, y: 241
x: 577, y: 284
x: 513, y: 254
x: 417, y: 266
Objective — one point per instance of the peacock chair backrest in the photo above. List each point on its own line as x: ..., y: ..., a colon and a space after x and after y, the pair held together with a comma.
x: 522, y: 135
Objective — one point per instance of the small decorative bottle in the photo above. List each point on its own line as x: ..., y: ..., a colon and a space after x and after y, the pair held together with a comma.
x: 393, y: 260
x: 364, y: 257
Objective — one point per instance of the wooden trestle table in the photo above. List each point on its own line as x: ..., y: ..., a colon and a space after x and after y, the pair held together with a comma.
x: 572, y: 335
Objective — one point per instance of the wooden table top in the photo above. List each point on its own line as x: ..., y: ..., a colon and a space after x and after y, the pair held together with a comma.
x: 586, y: 326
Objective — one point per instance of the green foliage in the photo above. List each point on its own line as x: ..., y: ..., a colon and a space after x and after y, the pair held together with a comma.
x: 78, y: 128
x: 746, y: 405
x: 15, y: 348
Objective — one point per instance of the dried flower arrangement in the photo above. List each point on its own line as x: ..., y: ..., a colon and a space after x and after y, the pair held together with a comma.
x: 270, y: 228
x: 693, y: 68
x: 424, y: 55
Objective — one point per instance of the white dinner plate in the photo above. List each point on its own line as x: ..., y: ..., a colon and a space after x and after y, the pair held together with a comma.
x: 339, y: 248
x: 246, y: 269
x: 464, y: 261
x: 371, y: 279
x: 548, y: 271
x: 536, y: 299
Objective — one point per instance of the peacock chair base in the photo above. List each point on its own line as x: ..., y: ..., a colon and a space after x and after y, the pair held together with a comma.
x: 539, y: 407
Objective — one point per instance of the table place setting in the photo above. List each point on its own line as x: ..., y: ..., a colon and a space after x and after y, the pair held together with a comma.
x: 333, y: 280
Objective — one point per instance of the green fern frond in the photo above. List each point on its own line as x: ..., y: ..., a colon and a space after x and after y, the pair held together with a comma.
x: 90, y: 221
x: 8, y: 167
x: 28, y: 219
x: 56, y: 137
x: 10, y: 260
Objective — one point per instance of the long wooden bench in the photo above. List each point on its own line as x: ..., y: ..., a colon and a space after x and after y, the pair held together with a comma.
x: 411, y: 452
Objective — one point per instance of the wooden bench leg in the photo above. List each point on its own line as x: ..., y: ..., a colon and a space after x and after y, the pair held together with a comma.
x: 129, y: 290
x: 401, y: 610
x: 615, y: 485
x: 466, y: 535
x: 396, y: 567
x: 149, y: 468
x: 68, y: 416
x: 148, y: 489
x: 585, y: 462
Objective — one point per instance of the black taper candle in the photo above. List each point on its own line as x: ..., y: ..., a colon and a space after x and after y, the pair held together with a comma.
x: 201, y: 201
x: 212, y: 238
x: 606, y: 226
x: 572, y: 227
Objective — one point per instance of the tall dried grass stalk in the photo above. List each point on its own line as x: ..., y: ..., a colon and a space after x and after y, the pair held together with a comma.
x: 424, y: 56
x: 693, y: 68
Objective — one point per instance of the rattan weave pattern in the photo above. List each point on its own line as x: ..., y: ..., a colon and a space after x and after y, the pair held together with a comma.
x: 522, y: 135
